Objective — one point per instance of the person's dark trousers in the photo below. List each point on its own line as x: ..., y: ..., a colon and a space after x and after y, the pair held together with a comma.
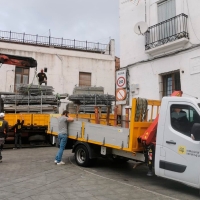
x: 18, y: 139
x: 0, y: 156
x: 45, y: 82
x: 2, y: 140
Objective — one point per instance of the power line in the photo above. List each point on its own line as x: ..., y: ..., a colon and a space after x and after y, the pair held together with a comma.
x: 163, y: 56
x: 191, y: 20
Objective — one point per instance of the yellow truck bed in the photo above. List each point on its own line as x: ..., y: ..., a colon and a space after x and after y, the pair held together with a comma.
x: 109, y: 136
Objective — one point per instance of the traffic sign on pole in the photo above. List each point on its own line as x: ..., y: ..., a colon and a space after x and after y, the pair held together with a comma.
x: 121, y: 82
x: 121, y: 79
x: 120, y: 94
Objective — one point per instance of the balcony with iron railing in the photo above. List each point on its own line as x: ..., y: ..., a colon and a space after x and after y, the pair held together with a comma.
x: 48, y: 41
x: 168, y: 35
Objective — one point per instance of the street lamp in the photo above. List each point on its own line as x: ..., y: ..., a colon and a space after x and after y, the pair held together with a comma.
x: 6, y: 77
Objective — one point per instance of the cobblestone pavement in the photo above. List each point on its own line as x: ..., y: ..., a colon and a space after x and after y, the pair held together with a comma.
x: 31, y: 174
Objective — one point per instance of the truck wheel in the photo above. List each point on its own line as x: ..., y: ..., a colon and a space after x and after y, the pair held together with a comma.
x: 82, y: 156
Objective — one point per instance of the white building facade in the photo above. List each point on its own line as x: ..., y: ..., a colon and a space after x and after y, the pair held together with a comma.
x: 167, y: 56
x: 65, y: 67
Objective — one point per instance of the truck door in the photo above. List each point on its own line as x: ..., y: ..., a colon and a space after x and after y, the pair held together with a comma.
x: 182, y: 153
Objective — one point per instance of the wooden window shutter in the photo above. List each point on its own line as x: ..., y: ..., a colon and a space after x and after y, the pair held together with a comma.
x: 84, y: 79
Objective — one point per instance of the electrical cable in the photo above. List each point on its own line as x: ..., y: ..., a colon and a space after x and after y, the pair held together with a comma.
x: 191, y: 20
x: 190, y: 95
x: 159, y: 57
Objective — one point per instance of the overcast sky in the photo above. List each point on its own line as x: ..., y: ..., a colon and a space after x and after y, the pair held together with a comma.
x: 91, y: 20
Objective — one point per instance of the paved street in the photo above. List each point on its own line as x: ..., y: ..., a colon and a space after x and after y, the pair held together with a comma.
x: 30, y: 174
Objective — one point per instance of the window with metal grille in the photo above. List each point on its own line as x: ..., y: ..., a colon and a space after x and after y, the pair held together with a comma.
x: 21, y: 76
x: 84, y: 79
x: 170, y: 83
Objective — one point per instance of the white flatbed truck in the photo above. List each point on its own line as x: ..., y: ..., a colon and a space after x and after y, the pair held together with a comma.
x: 172, y: 154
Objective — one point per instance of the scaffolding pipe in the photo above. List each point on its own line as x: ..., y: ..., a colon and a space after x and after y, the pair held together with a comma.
x: 41, y: 103
x: 28, y: 101
x: 15, y: 103
x: 115, y: 116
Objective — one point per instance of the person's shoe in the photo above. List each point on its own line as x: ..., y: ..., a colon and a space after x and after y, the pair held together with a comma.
x: 14, y: 148
x: 0, y: 161
x: 55, y: 161
x: 61, y: 163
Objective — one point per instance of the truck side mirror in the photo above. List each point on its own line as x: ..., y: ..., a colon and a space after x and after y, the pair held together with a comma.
x: 196, y: 131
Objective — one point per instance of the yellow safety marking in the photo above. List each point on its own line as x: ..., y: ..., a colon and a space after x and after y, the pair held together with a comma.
x: 99, y: 143
x: 52, y: 133
x: 182, y: 150
x: 1, y: 123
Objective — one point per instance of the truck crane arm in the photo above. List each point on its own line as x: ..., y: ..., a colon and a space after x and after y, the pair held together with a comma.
x: 150, y: 134
x: 18, y: 61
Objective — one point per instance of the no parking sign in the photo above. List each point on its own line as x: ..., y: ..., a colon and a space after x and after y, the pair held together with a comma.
x: 120, y: 94
x: 121, y: 79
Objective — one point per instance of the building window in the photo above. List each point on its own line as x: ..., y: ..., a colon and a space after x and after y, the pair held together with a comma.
x: 84, y: 79
x: 183, y: 117
x: 170, y: 83
x: 21, y: 76
x: 166, y: 10
x: 170, y: 27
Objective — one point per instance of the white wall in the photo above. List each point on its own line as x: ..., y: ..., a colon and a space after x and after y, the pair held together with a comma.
x: 63, y: 67
x: 132, y: 46
x: 148, y: 74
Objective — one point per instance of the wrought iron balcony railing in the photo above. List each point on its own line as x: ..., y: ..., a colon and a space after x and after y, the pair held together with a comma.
x: 24, y: 38
x: 167, y: 31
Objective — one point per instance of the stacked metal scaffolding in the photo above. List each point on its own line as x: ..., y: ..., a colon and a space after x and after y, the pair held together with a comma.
x: 32, y: 98
x: 35, y: 89
x: 86, y: 98
x: 95, y: 99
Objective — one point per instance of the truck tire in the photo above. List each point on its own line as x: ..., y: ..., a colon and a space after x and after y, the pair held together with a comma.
x: 82, y: 156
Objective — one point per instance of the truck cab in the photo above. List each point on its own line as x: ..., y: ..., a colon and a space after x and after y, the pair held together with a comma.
x: 177, y: 154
